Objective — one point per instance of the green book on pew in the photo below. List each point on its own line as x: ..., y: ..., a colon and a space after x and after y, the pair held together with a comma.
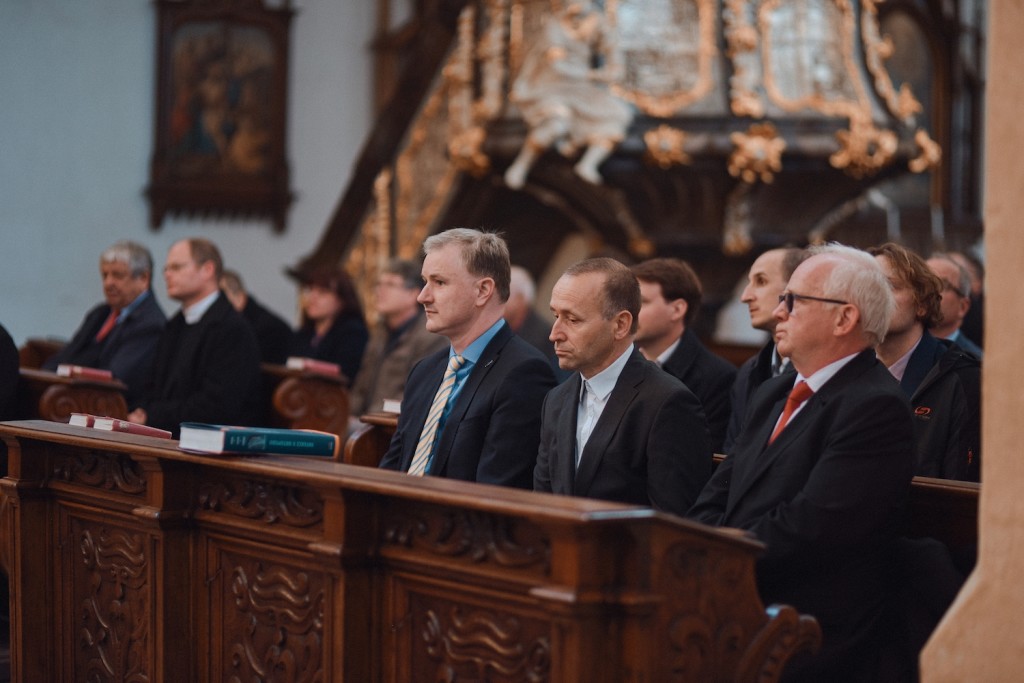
x: 198, y: 437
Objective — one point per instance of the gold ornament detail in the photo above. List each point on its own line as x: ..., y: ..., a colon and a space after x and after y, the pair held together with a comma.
x: 757, y: 155
x: 863, y: 149
x: 665, y: 146
x: 742, y: 38
x: 930, y: 156
x: 877, y: 49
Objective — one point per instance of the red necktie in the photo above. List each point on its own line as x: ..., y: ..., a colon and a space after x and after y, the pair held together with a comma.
x: 108, y: 325
x: 800, y: 393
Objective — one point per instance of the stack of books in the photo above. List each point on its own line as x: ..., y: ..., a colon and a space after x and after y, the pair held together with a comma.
x: 112, y: 424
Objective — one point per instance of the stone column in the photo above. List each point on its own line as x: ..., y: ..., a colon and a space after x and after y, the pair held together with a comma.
x: 981, y: 638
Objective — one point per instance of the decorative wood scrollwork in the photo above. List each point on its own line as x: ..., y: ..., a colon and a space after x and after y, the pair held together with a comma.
x: 263, y: 501
x: 491, y: 646
x: 309, y: 402
x: 478, y: 537
x: 108, y: 471
x: 58, y: 401
x: 275, y: 631
x: 111, y: 585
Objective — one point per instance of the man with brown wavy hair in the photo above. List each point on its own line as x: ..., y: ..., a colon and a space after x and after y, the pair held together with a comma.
x: 941, y: 380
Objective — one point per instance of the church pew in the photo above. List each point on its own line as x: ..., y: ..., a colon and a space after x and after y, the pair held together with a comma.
x: 307, y: 400
x: 48, y: 396
x: 132, y: 560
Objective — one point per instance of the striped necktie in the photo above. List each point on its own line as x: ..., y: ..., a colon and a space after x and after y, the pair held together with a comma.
x: 425, y: 446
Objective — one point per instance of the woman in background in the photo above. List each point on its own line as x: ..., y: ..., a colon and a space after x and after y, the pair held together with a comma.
x: 333, y: 328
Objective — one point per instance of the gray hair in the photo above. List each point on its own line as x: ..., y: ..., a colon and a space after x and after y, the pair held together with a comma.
x: 858, y: 279
x: 963, y: 284
x: 138, y: 258
x: 522, y: 283
x: 484, y: 254
x: 408, y: 270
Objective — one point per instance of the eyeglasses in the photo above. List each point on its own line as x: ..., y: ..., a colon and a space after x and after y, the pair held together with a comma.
x: 789, y: 298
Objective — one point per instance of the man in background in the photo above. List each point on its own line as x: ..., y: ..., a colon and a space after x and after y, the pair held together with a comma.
x: 120, y: 334
x: 619, y: 428
x: 942, y: 381
x: 526, y: 322
x: 471, y: 411
x: 671, y: 294
x: 272, y: 333
x: 399, y: 342
x: 207, y: 365
x: 956, y: 301
x: 766, y: 280
x: 821, y: 471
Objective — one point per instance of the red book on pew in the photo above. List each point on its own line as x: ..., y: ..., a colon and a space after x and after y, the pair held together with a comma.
x: 112, y: 424
x: 319, y: 367
x: 82, y: 372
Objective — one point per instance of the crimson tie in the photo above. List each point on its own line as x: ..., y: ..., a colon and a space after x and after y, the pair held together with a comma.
x: 108, y: 325
x: 800, y: 393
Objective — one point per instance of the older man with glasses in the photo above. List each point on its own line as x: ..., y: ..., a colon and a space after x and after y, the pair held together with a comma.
x: 823, y: 465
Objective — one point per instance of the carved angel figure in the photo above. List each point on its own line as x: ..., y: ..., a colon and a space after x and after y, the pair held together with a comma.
x: 564, y: 98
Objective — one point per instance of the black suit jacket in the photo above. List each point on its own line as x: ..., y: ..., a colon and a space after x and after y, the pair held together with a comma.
x: 825, y: 498
x: 752, y: 374
x: 649, y: 447
x: 709, y: 377
x: 492, y: 432
x: 127, y: 351
x: 207, y: 372
x: 272, y: 333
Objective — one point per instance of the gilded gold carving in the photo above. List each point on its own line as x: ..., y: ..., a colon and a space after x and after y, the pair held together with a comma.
x: 465, y: 150
x: 930, y: 154
x: 668, y: 59
x: 742, y: 39
x: 665, y: 146
x: 877, y: 49
x: 736, y: 239
x: 491, y: 53
x: 757, y: 154
x: 863, y: 149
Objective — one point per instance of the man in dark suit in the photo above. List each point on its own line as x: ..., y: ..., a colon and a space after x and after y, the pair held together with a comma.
x: 272, y: 333
x: 207, y: 366
x: 619, y: 429
x: 942, y: 381
x: 766, y: 280
x: 472, y: 411
x: 670, y: 295
x: 823, y: 466
x: 956, y: 302
x: 120, y: 334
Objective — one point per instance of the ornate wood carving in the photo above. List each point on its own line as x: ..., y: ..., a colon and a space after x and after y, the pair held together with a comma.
x: 96, y: 469
x: 263, y: 501
x: 311, y: 402
x: 111, y: 604
x: 51, y: 397
x: 473, y: 536
x: 462, y: 643
x: 273, y: 622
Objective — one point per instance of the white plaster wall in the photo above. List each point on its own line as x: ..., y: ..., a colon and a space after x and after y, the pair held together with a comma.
x: 76, y: 118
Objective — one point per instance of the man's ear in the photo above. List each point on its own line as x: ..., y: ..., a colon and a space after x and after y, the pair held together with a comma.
x: 485, y: 289
x: 623, y: 321
x: 679, y: 309
x: 847, y: 320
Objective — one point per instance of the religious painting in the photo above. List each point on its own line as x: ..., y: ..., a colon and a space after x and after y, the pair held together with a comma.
x: 220, y: 111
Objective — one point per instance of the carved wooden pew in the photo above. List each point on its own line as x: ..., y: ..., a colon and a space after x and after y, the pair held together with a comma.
x: 306, y: 400
x: 48, y: 396
x: 133, y: 560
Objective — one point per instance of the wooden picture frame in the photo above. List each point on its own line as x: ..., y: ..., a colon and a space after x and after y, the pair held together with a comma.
x: 221, y: 105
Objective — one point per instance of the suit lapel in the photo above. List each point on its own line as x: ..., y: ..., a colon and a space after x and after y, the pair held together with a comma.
x: 477, y: 377
x: 566, y: 428
x: 627, y: 387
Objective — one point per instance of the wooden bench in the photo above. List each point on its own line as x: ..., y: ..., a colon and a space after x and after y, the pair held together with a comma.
x: 48, y: 396
x: 132, y: 560
x: 306, y: 400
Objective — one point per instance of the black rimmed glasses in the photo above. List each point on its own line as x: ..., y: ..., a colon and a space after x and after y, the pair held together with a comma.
x: 789, y: 298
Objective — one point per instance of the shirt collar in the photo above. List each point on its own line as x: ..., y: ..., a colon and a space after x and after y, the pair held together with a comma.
x: 196, y: 311
x: 603, y: 382
x: 818, y: 379
x: 476, y: 349
x: 899, y: 368
x: 667, y: 353
x: 127, y: 310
